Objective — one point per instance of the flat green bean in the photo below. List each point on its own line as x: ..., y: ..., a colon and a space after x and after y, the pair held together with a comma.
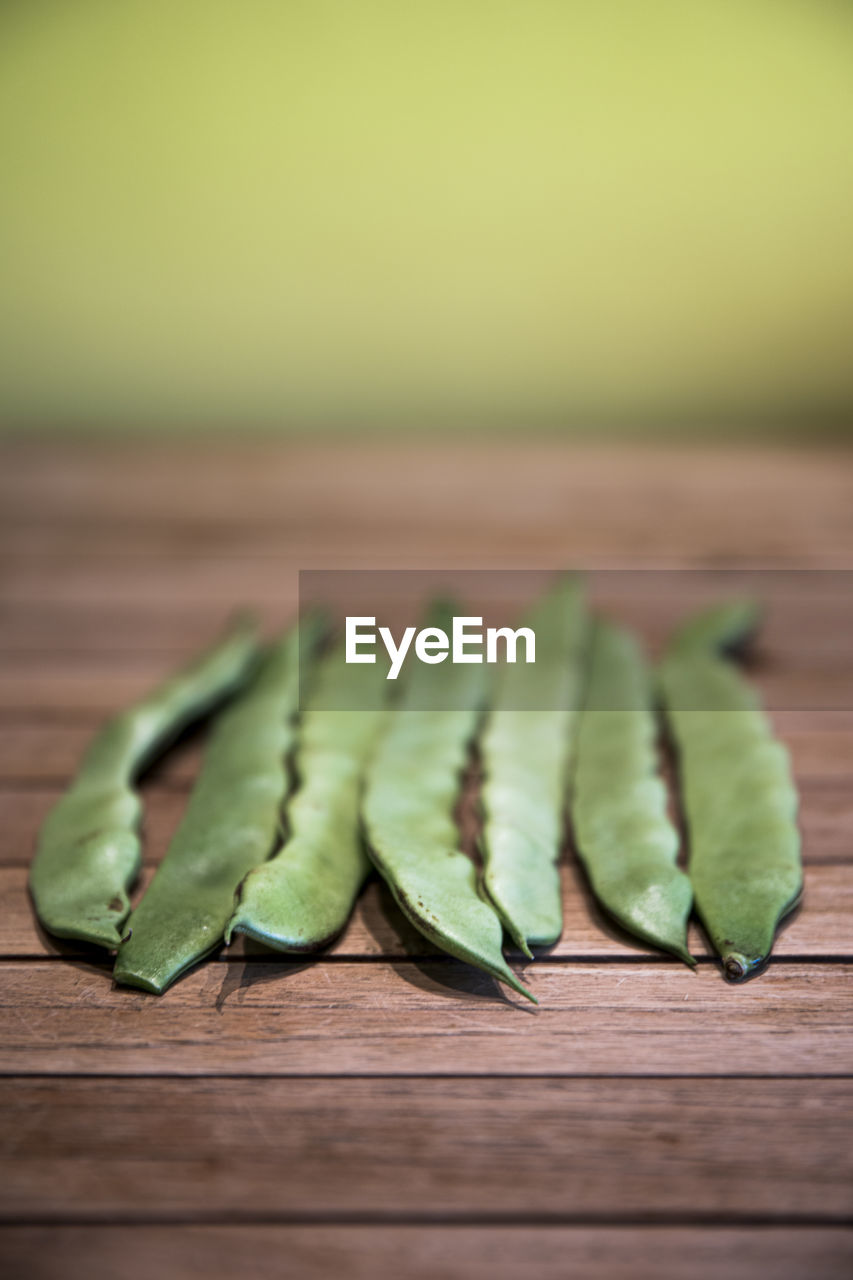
x: 230, y: 825
x: 525, y: 755
x: 302, y: 898
x: 88, y: 852
x: 623, y: 834
x: 412, y: 787
x: 739, y: 799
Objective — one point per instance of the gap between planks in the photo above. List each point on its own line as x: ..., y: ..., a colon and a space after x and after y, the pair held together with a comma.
x: 378, y: 1220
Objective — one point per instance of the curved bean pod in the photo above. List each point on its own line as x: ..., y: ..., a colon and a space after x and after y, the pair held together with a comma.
x: 412, y: 787
x: 622, y: 831
x: 740, y: 804
x: 302, y: 898
x: 88, y: 852
x: 230, y: 825
x: 525, y: 755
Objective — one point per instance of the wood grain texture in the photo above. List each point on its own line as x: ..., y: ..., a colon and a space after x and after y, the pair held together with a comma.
x: 492, y: 1252
x: 453, y: 502
x: 800, y: 629
x: 382, y: 1110
x: 49, y: 755
x: 399, y: 1150
x: 434, y: 1017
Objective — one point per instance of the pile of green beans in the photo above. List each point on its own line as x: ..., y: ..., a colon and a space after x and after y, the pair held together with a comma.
x: 739, y: 797
x: 303, y: 897
x: 88, y: 853
x: 526, y: 755
x: 376, y: 783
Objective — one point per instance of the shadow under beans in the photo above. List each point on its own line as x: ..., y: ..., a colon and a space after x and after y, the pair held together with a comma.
x: 166, y: 767
x: 392, y: 932
x: 447, y: 977
x: 241, y: 976
x: 70, y: 948
x: 604, y: 922
x: 416, y: 959
x: 100, y: 963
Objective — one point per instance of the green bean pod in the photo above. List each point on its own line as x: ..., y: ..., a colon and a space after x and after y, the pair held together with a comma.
x: 302, y: 898
x: 231, y: 824
x: 89, y: 852
x: 739, y: 799
x: 525, y: 755
x: 623, y: 834
x: 412, y: 787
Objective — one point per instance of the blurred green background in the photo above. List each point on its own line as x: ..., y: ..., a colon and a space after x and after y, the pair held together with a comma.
x: 332, y: 214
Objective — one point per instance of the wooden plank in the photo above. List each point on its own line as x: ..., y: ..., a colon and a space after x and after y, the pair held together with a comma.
x: 561, y: 502
x: 802, y: 599
x: 804, y: 649
x: 826, y: 818
x: 213, y: 477
x: 77, y: 690
x: 823, y: 927
x: 84, y: 689
x: 436, y: 1017
x: 662, y: 1150
x: 493, y: 1252
x: 823, y: 754
x: 164, y: 604
x: 381, y: 544
x: 118, y: 560
x: 48, y: 754
x: 107, y: 630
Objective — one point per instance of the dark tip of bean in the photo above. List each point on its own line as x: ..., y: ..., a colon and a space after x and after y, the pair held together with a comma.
x: 734, y: 968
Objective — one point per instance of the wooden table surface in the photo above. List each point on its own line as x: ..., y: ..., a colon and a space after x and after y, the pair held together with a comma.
x: 381, y: 1110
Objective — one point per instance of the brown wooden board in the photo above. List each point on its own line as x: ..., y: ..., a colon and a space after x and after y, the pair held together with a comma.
x: 403, y: 1150
x: 363, y: 1251
x: 381, y: 1110
x: 433, y: 1016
